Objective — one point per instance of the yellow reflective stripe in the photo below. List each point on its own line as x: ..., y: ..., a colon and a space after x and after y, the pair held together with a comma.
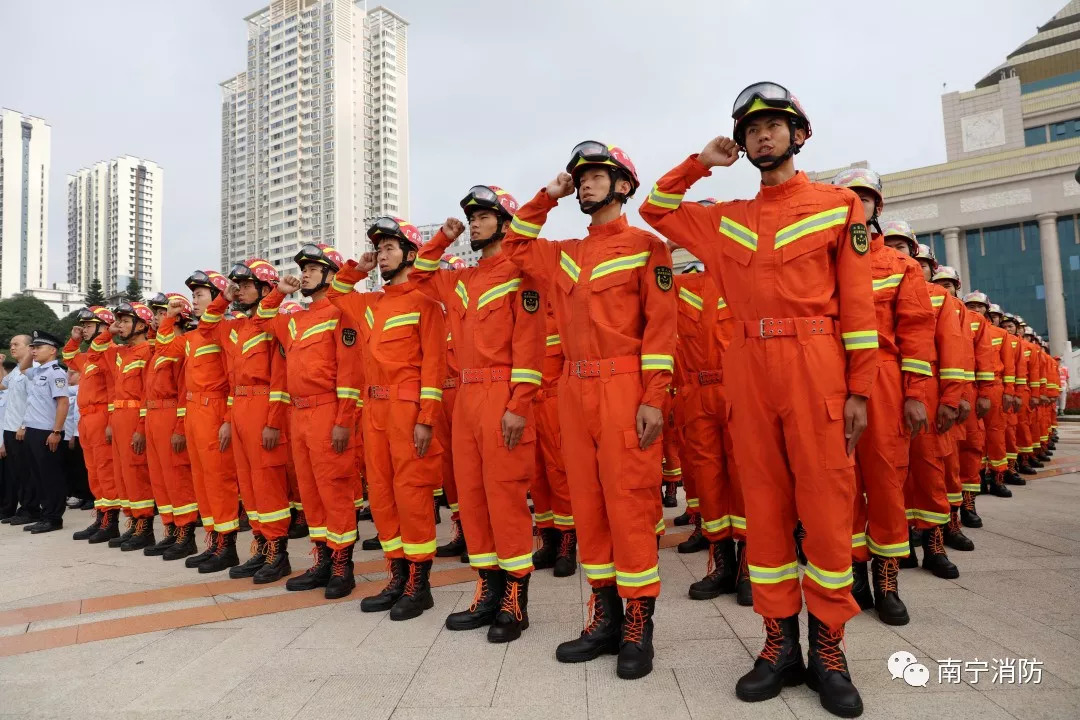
x: 111, y: 407
x: 253, y: 515
x: 627, y: 262
x: 951, y: 373
x: 233, y: 336
x: 401, y: 321
x: 913, y: 365
x: 827, y: 578
x: 426, y: 265
x: 227, y: 527
x: 210, y: 318
x: 858, y: 540
x: 501, y: 290
x: 888, y: 550
x: 739, y: 233
x: 937, y: 300
x: 526, y: 376
x: 391, y: 544
x: 181, y: 412
x: 996, y: 341
x: 660, y: 527
x: 430, y: 393
x: 316, y: 533
x: 564, y: 520
x: 969, y: 375
x: 928, y: 516
x: 669, y: 201
x: 765, y: 575
x: 134, y: 365
x: 714, y: 526
x: 1010, y: 378
x: 974, y: 487
x: 983, y: 376
x: 553, y: 340
x: 158, y: 362
x: 207, y: 350
x: 140, y: 504
x: 974, y: 326
x: 657, y: 362
x: 292, y: 328
x: 462, y: 293
x: 320, y: 328
x: 526, y: 229
x: 812, y: 224
x: 207, y: 522
x: 543, y: 516
x: 672, y: 473
x: 266, y: 313
x: 348, y: 536
x: 888, y: 282
x: 163, y: 339
x: 348, y: 393
x: 737, y: 522
x: 342, y: 287
x: 99, y: 347
x: 599, y: 572
x: 70, y: 355
x: 568, y: 265
x: 521, y: 562
x: 693, y: 502
x: 119, y: 362
x: 638, y: 579
x: 255, y: 340
x: 369, y: 317
x: 419, y: 548
x: 230, y: 401
x: 483, y: 560
x: 185, y: 509
x: 280, y: 396
x: 955, y: 498
x: 1020, y: 381
x: 89, y: 368
x: 691, y: 299
x: 142, y: 412
x: 860, y: 340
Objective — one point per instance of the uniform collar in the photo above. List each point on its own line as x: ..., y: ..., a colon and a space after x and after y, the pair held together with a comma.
x: 399, y: 289
x: 614, y: 227
x: 492, y: 261
x: 51, y: 363
x: 318, y: 304
x: 784, y: 189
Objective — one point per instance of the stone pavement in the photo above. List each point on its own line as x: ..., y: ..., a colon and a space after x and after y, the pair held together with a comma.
x: 92, y: 633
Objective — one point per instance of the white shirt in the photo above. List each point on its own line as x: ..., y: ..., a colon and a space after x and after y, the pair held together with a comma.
x: 16, y: 400
x: 71, y: 424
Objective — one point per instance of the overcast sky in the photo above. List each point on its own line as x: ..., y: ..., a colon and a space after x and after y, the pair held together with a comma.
x: 499, y: 92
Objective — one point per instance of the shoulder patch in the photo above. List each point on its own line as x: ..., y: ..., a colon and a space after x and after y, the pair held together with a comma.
x: 60, y: 382
x: 860, y: 240
x: 664, y: 277
x: 530, y: 300
x: 348, y: 336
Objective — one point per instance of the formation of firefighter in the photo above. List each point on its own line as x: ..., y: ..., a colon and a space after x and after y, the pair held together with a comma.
x: 824, y: 391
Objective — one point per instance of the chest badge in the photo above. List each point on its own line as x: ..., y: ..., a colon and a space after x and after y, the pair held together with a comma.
x: 664, y: 278
x: 860, y: 241
x: 348, y: 336
x: 530, y: 300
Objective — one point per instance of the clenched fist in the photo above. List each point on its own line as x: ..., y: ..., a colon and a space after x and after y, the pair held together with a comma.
x: 453, y: 228
x: 367, y: 262
x: 561, y: 186
x: 288, y: 284
x: 76, y: 334
x: 720, y: 151
x: 176, y: 304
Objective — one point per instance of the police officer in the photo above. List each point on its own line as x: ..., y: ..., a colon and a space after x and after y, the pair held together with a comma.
x: 46, y: 410
x: 18, y: 489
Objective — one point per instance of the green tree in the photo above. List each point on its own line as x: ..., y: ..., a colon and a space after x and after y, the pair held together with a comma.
x: 64, y: 325
x: 22, y: 314
x: 95, y: 295
x: 133, y: 291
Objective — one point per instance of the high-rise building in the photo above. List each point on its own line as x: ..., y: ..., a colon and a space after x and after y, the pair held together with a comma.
x: 25, y: 147
x: 315, y: 130
x: 114, y: 224
x: 459, y: 248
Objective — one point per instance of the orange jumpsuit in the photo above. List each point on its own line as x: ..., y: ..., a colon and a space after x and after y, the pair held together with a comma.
x: 403, y: 337
x: 450, y: 386
x: 95, y: 399
x: 792, y: 265
x: 1013, y: 436
x: 259, y: 399
x: 128, y: 365
x: 1041, y: 428
x: 905, y: 352
x: 992, y: 384
x: 958, y: 434
x: 616, y: 315
x: 987, y: 384
x: 702, y: 411
x: 549, y: 489
x: 206, y: 407
x: 925, y: 495
x: 170, y: 472
x: 498, y: 309
x: 323, y: 377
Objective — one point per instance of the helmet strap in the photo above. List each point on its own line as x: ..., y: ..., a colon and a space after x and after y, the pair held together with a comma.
x: 591, y: 208
x: 391, y: 274
x: 766, y: 163
x: 497, y: 236
x: 323, y: 284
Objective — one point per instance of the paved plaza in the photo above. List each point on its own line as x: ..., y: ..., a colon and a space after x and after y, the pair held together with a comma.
x: 87, y: 632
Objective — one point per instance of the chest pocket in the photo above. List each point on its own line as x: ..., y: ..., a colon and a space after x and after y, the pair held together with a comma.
x: 613, y: 298
x: 689, y: 320
x: 804, y: 251
x: 207, y: 355
x: 393, y: 344
x: 738, y: 243
x: 495, y: 315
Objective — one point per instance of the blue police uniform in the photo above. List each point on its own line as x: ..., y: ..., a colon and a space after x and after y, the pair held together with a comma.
x: 47, y: 385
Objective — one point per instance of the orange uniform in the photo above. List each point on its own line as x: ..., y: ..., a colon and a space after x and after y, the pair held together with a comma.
x: 987, y: 384
x: 170, y: 472
x: 959, y: 432
x: 259, y: 400
x: 205, y: 408
x: 905, y: 351
x: 616, y: 315
x: 403, y: 337
x: 323, y: 379
x: 1013, y: 435
x: 549, y: 489
x: 95, y: 400
x: 450, y: 387
x: 702, y: 410
x: 925, y: 497
x: 994, y: 381
x: 498, y: 309
x: 128, y: 365
x: 792, y: 267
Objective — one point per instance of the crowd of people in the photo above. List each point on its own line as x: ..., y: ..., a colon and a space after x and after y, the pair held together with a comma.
x: 815, y: 380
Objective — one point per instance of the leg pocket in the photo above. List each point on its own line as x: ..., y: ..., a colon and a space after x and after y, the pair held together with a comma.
x: 517, y: 464
x: 831, y: 442
x: 637, y: 469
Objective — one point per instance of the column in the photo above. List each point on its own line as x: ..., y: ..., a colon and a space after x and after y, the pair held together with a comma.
x: 1053, y: 284
x: 952, y: 250
x: 965, y: 268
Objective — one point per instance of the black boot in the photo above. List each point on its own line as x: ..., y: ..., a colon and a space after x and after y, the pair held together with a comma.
x: 890, y: 608
x: 934, y: 558
x: 211, y: 543
x: 183, y: 543
x: 258, y: 557
x: 224, y: 556
x: 438, y: 515
x: 399, y: 575
x: 371, y: 543
x: 1024, y: 467
x: 997, y: 487
x: 315, y: 576
x: 1034, y: 462
x: 341, y: 581
x: 860, y: 586
x: 298, y: 527
x: 363, y: 514
x: 827, y: 671
x: 744, y: 590
x: 456, y: 546
x: 119, y: 540
x: 164, y: 544
x: 602, y: 635
x: 968, y: 516
x: 277, y: 564
x: 912, y: 560
x: 685, y: 519
x: 1011, y: 477
x: 779, y: 664
x: 245, y: 523
x: 800, y: 536
x: 566, y: 560
x: 721, y: 576
x: 953, y: 533
x: 513, y: 615
x: 1042, y: 456
x: 91, y: 528
x: 417, y: 596
x: 696, y: 542
x: 670, y: 496
x: 485, y: 604
x: 636, y: 648
x: 984, y: 480
x: 544, y: 557
x: 142, y: 537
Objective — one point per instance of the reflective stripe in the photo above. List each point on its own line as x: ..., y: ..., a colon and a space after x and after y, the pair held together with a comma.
x: 369, y: 317
x: 721, y: 303
x: 343, y: 287
x: 500, y: 290
x: 954, y: 498
x: 348, y: 393
x: 657, y: 362
x: 858, y: 540
x: 227, y: 527
x: 207, y: 350
x: 971, y: 487
x: 253, y: 515
x: 99, y: 347
x: 292, y: 328
x: 391, y: 544
x: 320, y: 328
x: 140, y: 504
x: 163, y: 339
x: 827, y: 578
x: 691, y: 299
x: 951, y: 373
x: 317, y: 533
x: 527, y: 229
x: 255, y: 340
x: 894, y: 550
x: 158, y: 362
x: 739, y: 233
x: 969, y: 375
x: 185, y: 509
x: 996, y: 341
x: 974, y: 326
x: 133, y: 365
x: 715, y: 526
x: 422, y: 263
x: 543, y: 516
x: 1010, y: 378
x: 808, y: 225
x: 638, y: 579
x: 463, y: 294
x: 230, y: 401
x: 599, y: 572
x: 280, y: 396
x: 693, y: 503
x: 165, y: 509
x: 526, y: 376
x: 888, y: 282
x: 483, y: 560
x: 210, y: 318
x: 142, y: 412
x: 1021, y: 381
x: 233, y: 337
x: 984, y: 376
x: 927, y: 516
x: 207, y: 522
x: 268, y: 313
x: 675, y: 472
x: 344, y: 538
x: 568, y: 265
x: 401, y: 321
x: 737, y: 522
x: 553, y: 340
x: 453, y: 507
x: 660, y: 527
x: 669, y: 201
x: 919, y: 367
x: 430, y: 393
x: 564, y: 520
x: 627, y: 262
x: 521, y: 562
x: 419, y: 548
x: 937, y: 301
x: 860, y: 340
x: 181, y: 412
x: 763, y: 575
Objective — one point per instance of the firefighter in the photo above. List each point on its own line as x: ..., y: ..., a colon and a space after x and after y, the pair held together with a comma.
x: 1010, y: 359
x: 1015, y: 325
x: 323, y: 385
x: 616, y: 314
x: 792, y: 266
x: 494, y: 427
x: 95, y: 396
x: 456, y: 546
x: 298, y: 527
x: 403, y: 338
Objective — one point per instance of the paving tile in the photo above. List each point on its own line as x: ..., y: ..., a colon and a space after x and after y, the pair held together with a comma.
x: 530, y: 675
x: 709, y: 694
x: 123, y: 613
x: 1038, y: 703
x: 271, y: 693
x: 913, y: 705
x: 461, y: 669
x: 363, y: 697
x: 534, y: 712
x: 610, y: 698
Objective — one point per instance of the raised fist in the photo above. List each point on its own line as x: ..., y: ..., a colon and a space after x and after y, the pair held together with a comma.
x: 719, y: 151
x: 453, y: 228
x: 561, y: 186
x: 367, y: 262
x: 289, y: 284
x: 76, y: 334
x: 176, y: 304
x: 230, y: 291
